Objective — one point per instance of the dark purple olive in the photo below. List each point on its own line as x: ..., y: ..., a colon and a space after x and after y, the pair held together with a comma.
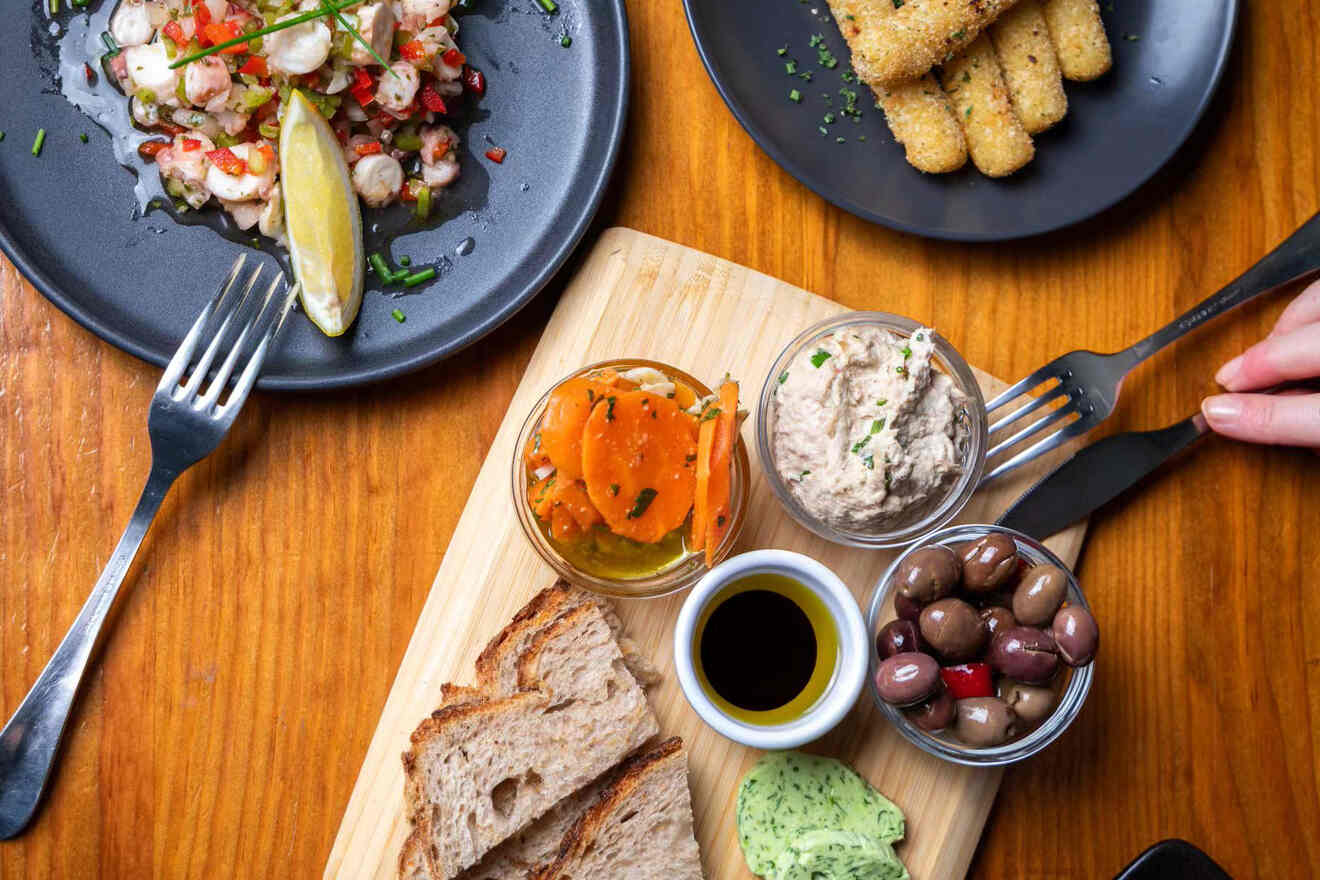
x: 1076, y: 635
x: 984, y: 721
x: 897, y: 637
x: 929, y: 573
x: 989, y: 562
x: 1032, y: 703
x: 953, y: 629
x: 1040, y: 594
x: 1025, y: 653
x: 905, y: 679
x: 934, y: 714
x: 997, y: 618
x: 905, y: 608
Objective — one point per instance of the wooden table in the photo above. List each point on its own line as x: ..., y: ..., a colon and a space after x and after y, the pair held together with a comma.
x: 223, y: 727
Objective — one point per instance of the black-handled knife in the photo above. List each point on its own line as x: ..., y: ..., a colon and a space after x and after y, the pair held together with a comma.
x: 1096, y: 475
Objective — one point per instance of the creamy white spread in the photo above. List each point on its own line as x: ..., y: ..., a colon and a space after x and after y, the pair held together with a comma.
x: 867, y: 429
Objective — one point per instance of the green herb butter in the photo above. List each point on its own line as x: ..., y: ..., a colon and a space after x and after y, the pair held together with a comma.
x: 789, y: 796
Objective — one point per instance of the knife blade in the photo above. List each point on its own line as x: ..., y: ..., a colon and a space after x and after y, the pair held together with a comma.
x: 1096, y: 475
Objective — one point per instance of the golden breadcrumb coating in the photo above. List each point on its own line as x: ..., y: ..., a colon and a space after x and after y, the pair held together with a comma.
x: 919, y: 35
x: 998, y: 143
x: 1079, y: 38
x: 1030, y: 66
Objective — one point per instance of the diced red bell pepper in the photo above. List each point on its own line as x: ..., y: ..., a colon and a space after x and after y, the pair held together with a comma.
x: 190, y: 144
x: 220, y: 32
x: 175, y: 33
x: 226, y: 161
x: 201, y: 16
x: 149, y: 149
x: 89, y: 73
x: 413, y: 50
x: 497, y: 154
x: 170, y: 128
x: 255, y: 66
x: 474, y: 81
x: 438, y: 22
x: 968, y: 680
x: 431, y: 99
x: 410, y: 190
x: 368, y: 149
x: 363, y: 88
x: 453, y: 58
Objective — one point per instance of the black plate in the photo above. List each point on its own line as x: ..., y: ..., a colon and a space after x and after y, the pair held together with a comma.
x: 1173, y: 860
x: 1169, y: 56
x: 67, y: 218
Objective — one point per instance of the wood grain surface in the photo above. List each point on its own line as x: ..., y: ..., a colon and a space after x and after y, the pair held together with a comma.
x: 256, y: 642
x: 734, y: 320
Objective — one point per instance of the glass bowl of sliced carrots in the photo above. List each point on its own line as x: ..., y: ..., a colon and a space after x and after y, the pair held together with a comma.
x: 630, y: 477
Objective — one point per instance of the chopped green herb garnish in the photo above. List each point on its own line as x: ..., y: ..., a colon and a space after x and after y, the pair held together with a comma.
x: 2, y: 135
x: 829, y: 118
x: 550, y: 6
x: 840, y: 140
x: 969, y: 111
x: 857, y: 447
x: 405, y: 260
x: 643, y: 501
x: 398, y: 316
x: 821, y: 129
x: 958, y: 34
x: 802, y: 476
x: 869, y: 461
x: 882, y: 401
x: 614, y: 489
x: 110, y: 44
x: 790, y: 67
x: 806, y: 75
x: 1132, y: 38
x: 609, y: 412
x: 782, y: 50
x: 83, y: 137
x: 565, y: 41
x: 795, y: 96
x: 921, y: 337
x: 710, y: 414
x: 783, y: 377
x: 898, y: 4
x: 819, y: 358
x: 37, y: 143
x: 907, y: 351
x: 419, y: 277
x: 382, y: 270
x: 816, y: 40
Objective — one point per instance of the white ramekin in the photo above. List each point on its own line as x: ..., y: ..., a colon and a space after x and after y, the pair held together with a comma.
x: 849, y: 672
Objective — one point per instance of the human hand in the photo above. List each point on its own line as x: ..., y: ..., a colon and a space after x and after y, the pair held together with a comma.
x: 1290, y: 352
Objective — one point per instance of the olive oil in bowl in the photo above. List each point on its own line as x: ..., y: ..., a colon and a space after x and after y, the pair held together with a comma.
x: 765, y: 649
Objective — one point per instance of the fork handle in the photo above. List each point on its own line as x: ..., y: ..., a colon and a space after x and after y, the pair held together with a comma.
x: 1297, y: 256
x: 30, y: 740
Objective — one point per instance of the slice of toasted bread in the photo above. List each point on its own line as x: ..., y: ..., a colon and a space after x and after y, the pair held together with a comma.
x: 640, y: 828
x: 478, y: 772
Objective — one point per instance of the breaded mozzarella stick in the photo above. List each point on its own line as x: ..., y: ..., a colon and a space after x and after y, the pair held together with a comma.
x: 998, y: 143
x: 1079, y: 38
x: 1031, y: 68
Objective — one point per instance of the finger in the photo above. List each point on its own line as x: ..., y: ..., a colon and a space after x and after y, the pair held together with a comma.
x: 1303, y: 310
x: 1275, y: 359
x: 1264, y: 418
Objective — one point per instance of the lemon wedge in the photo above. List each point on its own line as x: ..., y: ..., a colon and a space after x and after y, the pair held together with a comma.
x: 321, y: 217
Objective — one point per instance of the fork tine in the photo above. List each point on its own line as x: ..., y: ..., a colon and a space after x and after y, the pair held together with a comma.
x: 1034, y: 428
x: 1045, y: 372
x: 174, y: 369
x: 1059, y: 437
x: 204, y: 365
x: 221, y: 380
x: 1036, y: 403
x: 248, y: 377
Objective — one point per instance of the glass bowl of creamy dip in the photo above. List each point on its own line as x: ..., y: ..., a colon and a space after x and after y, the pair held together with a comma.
x: 871, y: 430
x: 591, y: 553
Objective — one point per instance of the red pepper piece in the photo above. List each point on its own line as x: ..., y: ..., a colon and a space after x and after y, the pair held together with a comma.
x: 968, y: 680
x: 496, y: 154
x: 149, y: 149
x: 255, y: 66
x: 453, y: 58
x: 474, y: 81
x: 431, y: 99
x: 413, y: 50
x: 190, y: 144
x: 175, y: 33
x: 363, y: 88
x: 89, y: 73
x: 226, y: 161
x: 220, y: 32
x: 201, y: 17
x: 368, y: 149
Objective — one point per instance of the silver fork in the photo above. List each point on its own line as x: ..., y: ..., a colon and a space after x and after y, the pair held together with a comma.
x: 1089, y: 382
x: 186, y: 423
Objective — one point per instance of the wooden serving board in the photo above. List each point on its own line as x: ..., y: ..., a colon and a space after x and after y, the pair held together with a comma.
x: 640, y: 296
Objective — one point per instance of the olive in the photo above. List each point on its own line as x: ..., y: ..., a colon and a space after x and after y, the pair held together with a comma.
x: 929, y: 573
x: 1032, y: 703
x: 897, y: 637
x: 1025, y: 653
x: 905, y: 608
x: 934, y: 714
x: 907, y: 678
x: 997, y: 618
x: 954, y: 629
x: 1076, y: 635
x: 984, y: 721
x: 1040, y: 594
x: 989, y: 562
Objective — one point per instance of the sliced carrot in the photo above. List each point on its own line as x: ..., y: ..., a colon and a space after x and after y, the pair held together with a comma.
x: 701, y: 503
x: 684, y: 396
x: 541, y: 496
x: 561, y: 426
x: 562, y: 525
x: 573, y: 498
x: 534, y: 455
x: 638, y: 456
x: 719, y: 511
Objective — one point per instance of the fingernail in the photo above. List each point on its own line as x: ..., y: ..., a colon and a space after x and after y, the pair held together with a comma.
x: 1229, y: 371
x: 1223, y: 409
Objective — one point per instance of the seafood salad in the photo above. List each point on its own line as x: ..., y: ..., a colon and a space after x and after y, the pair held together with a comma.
x: 215, y: 76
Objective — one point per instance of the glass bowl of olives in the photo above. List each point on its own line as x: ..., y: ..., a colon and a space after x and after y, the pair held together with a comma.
x: 983, y: 646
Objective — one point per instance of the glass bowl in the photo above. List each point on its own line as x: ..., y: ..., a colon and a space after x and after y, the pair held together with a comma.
x: 973, y: 450
x: 1075, y: 683
x: 682, y: 573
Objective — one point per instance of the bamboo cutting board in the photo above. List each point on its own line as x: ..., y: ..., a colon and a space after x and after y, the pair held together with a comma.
x: 640, y: 296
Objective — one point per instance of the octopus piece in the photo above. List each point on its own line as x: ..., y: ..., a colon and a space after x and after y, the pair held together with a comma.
x: 439, y: 156
x: 245, y: 214
x: 134, y: 22
x: 375, y: 22
x: 299, y: 49
x: 396, y: 93
x: 417, y: 14
x: 271, y: 222
x: 184, y: 161
x: 148, y: 67
x: 377, y: 178
x: 207, y: 83
x: 244, y: 187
